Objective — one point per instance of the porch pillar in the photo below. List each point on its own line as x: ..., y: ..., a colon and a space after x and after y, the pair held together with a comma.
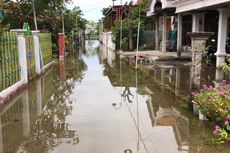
x: 22, y: 53
x: 157, y: 33
x: 195, y: 23
x: 179, y: 33
x: 164, y: 32
x: 222, y: 36
x: 37, y: 52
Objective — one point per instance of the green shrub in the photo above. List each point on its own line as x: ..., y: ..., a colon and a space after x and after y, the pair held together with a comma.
x: 215, y: 104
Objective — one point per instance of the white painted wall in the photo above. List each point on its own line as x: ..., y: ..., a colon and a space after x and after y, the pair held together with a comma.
x: 188, y: 5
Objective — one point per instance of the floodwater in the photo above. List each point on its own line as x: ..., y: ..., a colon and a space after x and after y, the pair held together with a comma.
x: 95, y: 103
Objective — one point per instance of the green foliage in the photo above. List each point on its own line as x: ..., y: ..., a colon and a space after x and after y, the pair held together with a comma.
x: 214, y: 102
x: 226, y: 66
x: 91, y: 29
x: 125, y: 42
x: 49, y: 16
x: 215, y: 105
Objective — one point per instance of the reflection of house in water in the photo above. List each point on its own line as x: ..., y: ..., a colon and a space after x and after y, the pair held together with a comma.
x: 162, y: 113
x: 161, y: 107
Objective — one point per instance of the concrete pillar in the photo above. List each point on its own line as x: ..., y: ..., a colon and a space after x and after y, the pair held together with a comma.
x: 222, y: 36
x: 198, y: 46
x: 39, y: 96
x: 26, y: 114
x: 22, y: 53
x: 37, y: 52
x: 157, y: 33
x: 1, y: 136
x: 195, y: 23
x: 164, y: 32
x: 179, y: 33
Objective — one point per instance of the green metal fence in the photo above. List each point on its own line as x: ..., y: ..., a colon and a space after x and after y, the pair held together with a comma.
x: 9, y: 60
x: 46, y: 47
x: 30, y: 56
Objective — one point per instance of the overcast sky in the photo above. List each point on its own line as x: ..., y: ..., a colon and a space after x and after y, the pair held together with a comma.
x: 92, y: 8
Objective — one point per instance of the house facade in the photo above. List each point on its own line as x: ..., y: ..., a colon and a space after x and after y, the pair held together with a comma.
x: 208, y: 16
x: 194, y: 16
x: 163, y: 11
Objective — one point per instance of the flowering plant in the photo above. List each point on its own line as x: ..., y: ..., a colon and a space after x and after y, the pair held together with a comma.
x: 221, y: 134
x: 214, y: 102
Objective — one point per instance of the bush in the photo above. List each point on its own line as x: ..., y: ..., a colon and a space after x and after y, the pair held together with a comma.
x: 214, y: 103
x: 125, y: 43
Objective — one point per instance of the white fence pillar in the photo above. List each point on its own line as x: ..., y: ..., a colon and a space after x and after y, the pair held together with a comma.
x: 22, y: 53
x: 39, y: 96
x: 26, y: 114
x: 37, y: 52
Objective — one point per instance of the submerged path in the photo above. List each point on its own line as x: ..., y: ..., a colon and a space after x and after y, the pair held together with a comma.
x: 90, y: 104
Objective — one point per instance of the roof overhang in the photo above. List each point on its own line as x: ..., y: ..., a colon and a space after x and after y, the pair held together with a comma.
x: 189, y: 5
x: 157, y: 6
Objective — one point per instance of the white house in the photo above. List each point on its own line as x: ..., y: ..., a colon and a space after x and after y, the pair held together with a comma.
x: 196, y: 16
x: 207, y: 15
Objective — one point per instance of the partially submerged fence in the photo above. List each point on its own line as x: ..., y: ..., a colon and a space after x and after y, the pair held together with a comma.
x: 9, y: 61
x: 46, y: 47
x: 30, y: 56
x: 37, y: 53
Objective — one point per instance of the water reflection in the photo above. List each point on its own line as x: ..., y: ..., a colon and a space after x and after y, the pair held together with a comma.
x: 102, y: 106
x: 164, y: 85
x: 35, y: 121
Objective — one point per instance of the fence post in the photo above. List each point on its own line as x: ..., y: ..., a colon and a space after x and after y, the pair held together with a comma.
x: 37, y: 52
x: 61, y: 44
x: 22, y: 53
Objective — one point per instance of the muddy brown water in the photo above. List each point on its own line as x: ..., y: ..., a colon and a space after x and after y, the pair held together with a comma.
x: 95, y: 103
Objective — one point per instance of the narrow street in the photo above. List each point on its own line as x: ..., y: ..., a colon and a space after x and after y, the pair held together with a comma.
x: 77, y: 107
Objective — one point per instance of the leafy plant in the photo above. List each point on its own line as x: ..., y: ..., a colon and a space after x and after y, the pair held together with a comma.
x: 226, y: 66
x: 214, y: 103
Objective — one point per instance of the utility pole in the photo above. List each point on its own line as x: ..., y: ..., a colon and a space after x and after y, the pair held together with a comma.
x: 35, y: 18
x: 63, y: 23
x: 113, y: 2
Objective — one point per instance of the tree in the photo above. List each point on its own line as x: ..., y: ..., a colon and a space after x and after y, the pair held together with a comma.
x: 91, y: 29
x: 49, y: 16
x: 130, y: 27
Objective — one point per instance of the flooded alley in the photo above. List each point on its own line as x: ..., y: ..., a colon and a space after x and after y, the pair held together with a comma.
x: 94, y: 102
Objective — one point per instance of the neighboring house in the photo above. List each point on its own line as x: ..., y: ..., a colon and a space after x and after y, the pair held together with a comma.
x: 114, y: 14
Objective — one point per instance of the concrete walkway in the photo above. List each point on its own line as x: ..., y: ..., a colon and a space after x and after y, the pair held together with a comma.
x: 157, y: 55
